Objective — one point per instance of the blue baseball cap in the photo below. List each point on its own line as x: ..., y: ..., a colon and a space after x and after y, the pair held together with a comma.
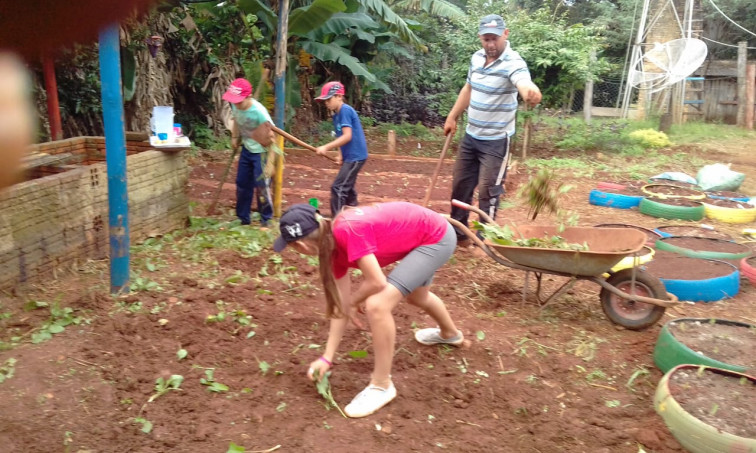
x: 492, y: 24
x: 296, y: 223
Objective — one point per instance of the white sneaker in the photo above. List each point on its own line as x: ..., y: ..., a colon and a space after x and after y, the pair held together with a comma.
x: 370, y: 400
x: 432, y: 335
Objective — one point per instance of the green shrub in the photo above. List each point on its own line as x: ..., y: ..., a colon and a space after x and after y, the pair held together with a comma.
x: 650, y: 138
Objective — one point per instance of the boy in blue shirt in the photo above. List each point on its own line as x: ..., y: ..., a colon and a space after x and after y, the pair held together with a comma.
x: 251, y: 127
x: 351, y: 139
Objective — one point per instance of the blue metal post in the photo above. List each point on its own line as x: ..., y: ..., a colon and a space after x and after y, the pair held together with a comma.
x: 279, y: 80
x: 115, y: 148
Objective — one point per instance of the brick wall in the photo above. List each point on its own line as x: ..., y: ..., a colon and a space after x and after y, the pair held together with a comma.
x: 59, y: 215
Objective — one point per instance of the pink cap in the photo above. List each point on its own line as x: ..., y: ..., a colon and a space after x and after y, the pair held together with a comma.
x: 330, y: 89
x: 239, y: 90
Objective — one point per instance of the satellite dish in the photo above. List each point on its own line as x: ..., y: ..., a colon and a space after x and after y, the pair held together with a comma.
x: 668, y: 63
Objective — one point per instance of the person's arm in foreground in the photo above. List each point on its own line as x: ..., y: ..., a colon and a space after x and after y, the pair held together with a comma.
x: 529, y: 92
x: 463, y: 101
x: 335, y: 330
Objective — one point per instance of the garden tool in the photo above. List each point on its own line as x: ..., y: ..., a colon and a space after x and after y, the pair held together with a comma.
x: 227, y: 118
x: 299, y: 142
x: 438, y: 169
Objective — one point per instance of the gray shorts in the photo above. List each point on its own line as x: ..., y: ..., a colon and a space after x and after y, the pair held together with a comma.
x: 417, y: 268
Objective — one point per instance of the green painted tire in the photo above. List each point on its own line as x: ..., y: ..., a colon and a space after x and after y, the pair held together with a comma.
x: 669, y: 352
x: 656, y: 208
x: 662, y: 244
x: 692, y: 433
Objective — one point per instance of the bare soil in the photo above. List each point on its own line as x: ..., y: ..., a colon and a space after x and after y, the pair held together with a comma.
x: 732, y: 204
x: 677, y: 202
x: 527, y: 379
x: 672, y: 266
x: 693, y: 230
x: 720, y: 400
x: 671, y: 191
x: 728, y: 343
x: 699, y: 244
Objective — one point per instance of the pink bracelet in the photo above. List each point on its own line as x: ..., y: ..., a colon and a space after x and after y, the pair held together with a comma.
x: 326, y: 360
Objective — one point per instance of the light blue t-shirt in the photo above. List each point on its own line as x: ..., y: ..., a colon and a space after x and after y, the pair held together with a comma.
x: 247, y: 121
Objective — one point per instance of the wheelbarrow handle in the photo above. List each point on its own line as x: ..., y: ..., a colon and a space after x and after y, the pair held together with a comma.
x: 469, y: 207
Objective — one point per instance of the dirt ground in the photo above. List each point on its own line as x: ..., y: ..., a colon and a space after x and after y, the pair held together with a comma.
x: 557, y: 379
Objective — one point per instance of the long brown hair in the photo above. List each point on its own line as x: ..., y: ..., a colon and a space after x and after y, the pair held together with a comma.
x: 326, y: 245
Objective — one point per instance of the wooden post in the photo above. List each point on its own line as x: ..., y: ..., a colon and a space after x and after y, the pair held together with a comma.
x: 526, y: 135
x: 279, y: 87
x: 676, y: 103
x: 742, y: 60
x: 750, y: 93
x: 588, y: 95
x: 392, y: 142
x: 53, y: 107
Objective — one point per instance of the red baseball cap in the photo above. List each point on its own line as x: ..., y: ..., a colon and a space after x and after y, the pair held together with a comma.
x: 239, y: 90
x: 330, y: 89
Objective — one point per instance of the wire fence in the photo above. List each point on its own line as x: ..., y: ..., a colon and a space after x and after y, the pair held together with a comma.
x: 605, y: 94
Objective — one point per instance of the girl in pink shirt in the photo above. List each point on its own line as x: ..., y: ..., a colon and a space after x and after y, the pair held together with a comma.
x: 369, y: 238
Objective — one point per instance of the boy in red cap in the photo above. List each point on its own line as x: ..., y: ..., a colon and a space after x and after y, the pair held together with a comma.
x: 251, y: 127
x: 351, y: 139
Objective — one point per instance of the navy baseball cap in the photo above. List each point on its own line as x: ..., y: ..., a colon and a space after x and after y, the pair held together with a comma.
x: 297, y: 222
x: 493, y: 24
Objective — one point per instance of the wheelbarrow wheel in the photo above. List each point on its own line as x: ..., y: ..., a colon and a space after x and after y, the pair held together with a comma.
x: 628, y: 313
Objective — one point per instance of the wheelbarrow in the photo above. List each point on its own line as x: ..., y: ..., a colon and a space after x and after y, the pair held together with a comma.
x: 631, y: 298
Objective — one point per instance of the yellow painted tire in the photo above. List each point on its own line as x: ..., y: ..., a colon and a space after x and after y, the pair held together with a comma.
x: 729, y: 215
x: 629, y: 262
x: 648, y: 190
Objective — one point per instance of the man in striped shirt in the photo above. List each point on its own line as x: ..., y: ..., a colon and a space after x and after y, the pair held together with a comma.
x: 496, y: 75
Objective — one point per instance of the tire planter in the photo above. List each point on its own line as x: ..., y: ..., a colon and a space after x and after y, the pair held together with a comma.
x: 610, y: 186
x: 738, y: 212
x: 666, y: 191
x: 725, y: 195
x: 652, y: 235
x: 694, y: 434
x: 725, y: 283
x: 670, y: 351
x: 673, y: 182
x: 706, y: 248
x: 748, y: 269
x: 627, y: 313
x: 692, y: 210
x: 690, y: 230
x: 629, y: 262
x: 613, y: 200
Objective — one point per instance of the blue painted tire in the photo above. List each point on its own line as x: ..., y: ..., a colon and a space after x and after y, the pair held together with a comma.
x: 741, y: 199
x: 613, y: 200
x: 707, y: 290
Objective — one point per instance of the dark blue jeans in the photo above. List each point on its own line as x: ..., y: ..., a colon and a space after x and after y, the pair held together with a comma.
x: 342, y: 189
x: 248, y: 178
x: 479, y: 163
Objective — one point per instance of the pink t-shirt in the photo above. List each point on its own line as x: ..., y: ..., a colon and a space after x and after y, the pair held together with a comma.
x: 387, y: 230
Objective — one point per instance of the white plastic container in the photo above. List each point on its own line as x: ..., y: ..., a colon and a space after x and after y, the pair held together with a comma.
x: 162, y: 121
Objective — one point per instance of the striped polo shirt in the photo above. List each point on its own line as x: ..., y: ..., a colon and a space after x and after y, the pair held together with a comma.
x: 493, y: 100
